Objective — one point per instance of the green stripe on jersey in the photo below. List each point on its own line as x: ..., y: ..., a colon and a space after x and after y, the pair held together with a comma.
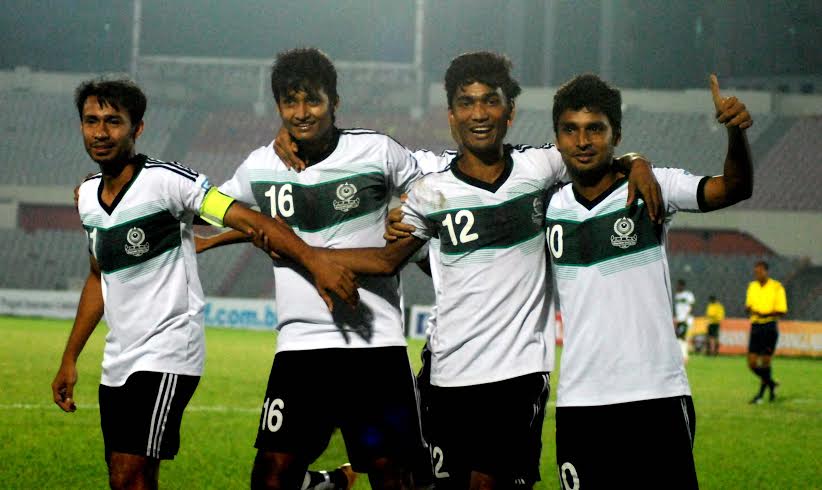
x: 149, y: 266
x: 317, y: 207
x: 613, y: 235
x: 134, y: 242
x: 503, y: 225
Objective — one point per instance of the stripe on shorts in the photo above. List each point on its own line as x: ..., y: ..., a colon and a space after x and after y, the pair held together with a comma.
x: 162, y: 406
x: 546, y: 378
x: 687, y: 421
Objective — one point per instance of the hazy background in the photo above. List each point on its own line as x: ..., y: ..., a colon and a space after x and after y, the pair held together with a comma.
x: 653, y: 44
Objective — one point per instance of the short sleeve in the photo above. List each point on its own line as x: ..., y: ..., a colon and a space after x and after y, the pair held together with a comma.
x: 749, y: 296
x: 429, y: 162
x: 186, y: 190
x: 402, y: 167
x: 239, y: 186
x: 559, y: 172
x: 681, y: 190
x: 414, y: 211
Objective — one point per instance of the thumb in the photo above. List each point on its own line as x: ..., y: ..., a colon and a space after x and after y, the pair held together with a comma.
x: 715, y: 92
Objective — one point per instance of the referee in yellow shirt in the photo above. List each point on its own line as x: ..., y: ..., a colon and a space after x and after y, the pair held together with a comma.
x: 765, y: 303
x: 715, y: 313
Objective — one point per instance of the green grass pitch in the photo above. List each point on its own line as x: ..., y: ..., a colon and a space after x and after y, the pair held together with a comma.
x: 774, y: 445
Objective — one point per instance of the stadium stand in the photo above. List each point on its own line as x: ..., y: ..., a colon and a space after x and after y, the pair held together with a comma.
x: 789, y: 174
x: 58, y: 259
x: 804, y: 292
x: 40, y: 143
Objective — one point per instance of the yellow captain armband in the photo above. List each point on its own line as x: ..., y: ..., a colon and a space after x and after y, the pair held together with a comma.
x: 215, y: 205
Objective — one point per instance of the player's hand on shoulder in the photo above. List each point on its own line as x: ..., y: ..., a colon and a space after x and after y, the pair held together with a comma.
x: 643, y: 182
x: 730, y: 111
x: 77, y: 191
x: 286, y: 149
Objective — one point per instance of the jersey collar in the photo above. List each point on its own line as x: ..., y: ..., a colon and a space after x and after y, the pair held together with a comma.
x: 138, y: 160
x: 589, y: 205
x: 494, y: 187
x: 335, y: 140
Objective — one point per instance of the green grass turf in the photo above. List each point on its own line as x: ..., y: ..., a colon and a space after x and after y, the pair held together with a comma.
x: 737, y: 445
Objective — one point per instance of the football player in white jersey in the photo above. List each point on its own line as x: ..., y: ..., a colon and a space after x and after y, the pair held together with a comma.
x: 340, y: 200
x: 138, y: 214
x: 489, y: 340
x: 624, y: 411
x: 683, y: 316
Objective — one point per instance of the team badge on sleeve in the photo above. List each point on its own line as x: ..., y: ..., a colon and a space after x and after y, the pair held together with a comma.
x: 623, y: 227
x: 136, y: 238
x: 347, y: 201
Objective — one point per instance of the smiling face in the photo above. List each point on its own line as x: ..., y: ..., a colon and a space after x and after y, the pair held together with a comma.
x: 108, y: 132
x: 586, y: 141
x: 307, y: 116
x: 480, y: 115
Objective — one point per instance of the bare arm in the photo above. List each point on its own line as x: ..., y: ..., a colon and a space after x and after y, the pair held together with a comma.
x: 376, y: 261
x: 736, y: 182
x: 328, y: 276
x: 230, y: 237
x: 89, y: 313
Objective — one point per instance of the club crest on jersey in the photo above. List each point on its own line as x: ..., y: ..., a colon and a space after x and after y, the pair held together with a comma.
x: 623, y: 227
x: 538, y: 215
x: 347, y: 201
x: 136, y: 238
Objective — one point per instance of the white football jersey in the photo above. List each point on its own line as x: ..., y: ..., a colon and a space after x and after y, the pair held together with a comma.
x: 431, y: 162
x: 684, y: 306
x: 611, y: 274
x: 339, y: 202
x: 492, y: 308
x: 144, y: 246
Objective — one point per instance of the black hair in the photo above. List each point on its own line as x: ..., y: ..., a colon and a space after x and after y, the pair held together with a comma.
x: 680, y: 282
x: 492, y: 69
x: 712, y: 298
x: 762, y: 263
x: 115, y: 93
x: 589, y: 92
x: 306, y: 70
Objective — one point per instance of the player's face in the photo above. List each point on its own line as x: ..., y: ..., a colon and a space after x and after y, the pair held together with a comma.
x: 306, y: 116
x: 760, y: 273
x: 108, y: 133
x: 479, y: 117
x: 586, y: 141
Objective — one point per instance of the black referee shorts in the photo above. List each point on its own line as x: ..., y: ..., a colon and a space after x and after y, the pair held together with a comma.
x: 763, y: 339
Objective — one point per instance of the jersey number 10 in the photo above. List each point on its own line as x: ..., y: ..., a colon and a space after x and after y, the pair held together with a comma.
x: 554, y: 236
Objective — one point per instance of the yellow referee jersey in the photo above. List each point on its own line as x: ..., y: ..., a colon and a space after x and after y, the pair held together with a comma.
x: 769, y: 298
x: 715, y: 312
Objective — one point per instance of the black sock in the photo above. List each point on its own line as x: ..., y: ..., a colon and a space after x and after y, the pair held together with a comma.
x: 759, y: 371
x: 338, y: 478
x: 767, y: 378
